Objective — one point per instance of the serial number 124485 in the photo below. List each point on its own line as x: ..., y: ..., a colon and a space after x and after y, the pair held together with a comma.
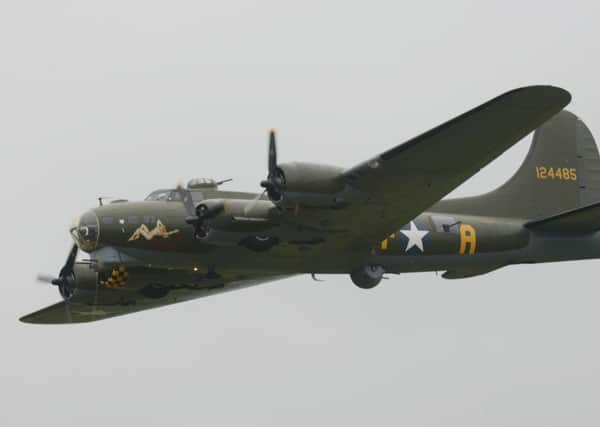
x: 565, y: 174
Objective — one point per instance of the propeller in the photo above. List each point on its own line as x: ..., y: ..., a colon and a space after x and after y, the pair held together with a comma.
x: 197, y: 216
x: 275, y: 181
x: 66, y: 278
x: 193, y: 216
x: 186, y: 198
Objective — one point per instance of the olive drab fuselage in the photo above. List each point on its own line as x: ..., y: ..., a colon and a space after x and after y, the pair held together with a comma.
x: 386, y: 215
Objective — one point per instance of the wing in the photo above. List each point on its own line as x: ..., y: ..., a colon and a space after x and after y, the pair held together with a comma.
x: 404, y: 181
x: 88, y: 307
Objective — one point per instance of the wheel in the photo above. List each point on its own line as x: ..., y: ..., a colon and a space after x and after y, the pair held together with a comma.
x: 368, y: 276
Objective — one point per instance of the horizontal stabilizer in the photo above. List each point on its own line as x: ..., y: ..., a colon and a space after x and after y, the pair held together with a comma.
x: 582, y: 220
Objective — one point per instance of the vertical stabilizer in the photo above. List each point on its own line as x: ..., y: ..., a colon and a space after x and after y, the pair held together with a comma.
x: 560, y: 173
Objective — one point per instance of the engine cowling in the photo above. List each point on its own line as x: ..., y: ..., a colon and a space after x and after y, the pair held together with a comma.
x: 82, y: 277
x: 310, y: 185
x: 234, y: 216
x: 311, y: 178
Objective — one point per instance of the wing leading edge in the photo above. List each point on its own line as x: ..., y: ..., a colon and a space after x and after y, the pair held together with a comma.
x: 404, y: 181
x: 85, y: 307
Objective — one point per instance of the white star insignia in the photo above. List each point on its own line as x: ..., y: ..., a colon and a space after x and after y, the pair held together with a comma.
x: 415, y: 237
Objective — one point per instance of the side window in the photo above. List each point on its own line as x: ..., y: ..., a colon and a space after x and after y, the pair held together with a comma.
x: 133, y: 220
x: 445, y: 224
x: 158, y: 196
x: 108, y: 220
x: 174, y: 196
x: 197, y: 196
x: 149, y: 220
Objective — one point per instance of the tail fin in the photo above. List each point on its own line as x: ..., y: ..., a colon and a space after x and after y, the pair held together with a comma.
x: 560, y: 173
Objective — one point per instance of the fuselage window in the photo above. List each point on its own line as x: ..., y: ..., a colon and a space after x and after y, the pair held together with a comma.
x: 197, y: 196
x: 108, y: 220
x: 174, y: 196
x: 445, y: 224
x: 149, y: 219
x: 133, y: 220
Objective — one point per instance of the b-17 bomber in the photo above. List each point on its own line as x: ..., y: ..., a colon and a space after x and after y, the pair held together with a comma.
x: 382, y: 217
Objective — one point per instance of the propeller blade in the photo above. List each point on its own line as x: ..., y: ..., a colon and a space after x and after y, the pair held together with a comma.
x: 70, y: 263
x: 186, y: 199
x: 65, y: 279
x: 272, y: 153
x: 44, y: 278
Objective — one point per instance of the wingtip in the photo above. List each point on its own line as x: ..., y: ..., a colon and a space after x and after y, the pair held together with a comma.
x: 561, y: 94
x: 26, y: 319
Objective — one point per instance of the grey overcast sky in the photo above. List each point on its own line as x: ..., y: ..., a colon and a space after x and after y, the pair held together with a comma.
x: 117, y: 98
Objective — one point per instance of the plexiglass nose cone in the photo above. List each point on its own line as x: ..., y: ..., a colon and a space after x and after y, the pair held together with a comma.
x: 85, y: 231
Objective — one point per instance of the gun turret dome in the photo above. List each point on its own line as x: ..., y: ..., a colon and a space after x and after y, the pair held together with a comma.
x: 202, y: 183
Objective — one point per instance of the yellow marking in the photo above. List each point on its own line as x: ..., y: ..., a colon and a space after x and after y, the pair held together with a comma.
x: 117, y: 279
x: 296, y: 209
x: 385, y: 243
x: 554, y: 173
x: 468, y: 236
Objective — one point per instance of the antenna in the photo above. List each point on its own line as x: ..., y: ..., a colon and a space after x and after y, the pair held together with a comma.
x: 102, y: 198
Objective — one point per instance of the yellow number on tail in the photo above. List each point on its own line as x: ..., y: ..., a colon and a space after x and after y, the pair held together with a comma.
x: 468, y: 236
x: 560, y: 174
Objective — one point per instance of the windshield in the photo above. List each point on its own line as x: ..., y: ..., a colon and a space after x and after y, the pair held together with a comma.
x: 159, y: 195
x: 172, y: 196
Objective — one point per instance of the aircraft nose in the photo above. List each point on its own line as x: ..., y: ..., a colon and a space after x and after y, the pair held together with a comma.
x: 85, y: 231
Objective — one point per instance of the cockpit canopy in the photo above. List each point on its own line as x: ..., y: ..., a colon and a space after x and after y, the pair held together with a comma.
x: 172, y: 196
x: 194, y: 186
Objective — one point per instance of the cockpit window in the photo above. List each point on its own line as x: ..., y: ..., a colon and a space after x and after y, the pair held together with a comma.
x: 159, y: 195
x: 173, y: 196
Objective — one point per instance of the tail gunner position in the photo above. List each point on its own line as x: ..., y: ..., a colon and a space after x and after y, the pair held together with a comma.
x: 385, y: 215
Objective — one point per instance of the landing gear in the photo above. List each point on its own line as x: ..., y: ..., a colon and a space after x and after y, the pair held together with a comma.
x: 368, y: 276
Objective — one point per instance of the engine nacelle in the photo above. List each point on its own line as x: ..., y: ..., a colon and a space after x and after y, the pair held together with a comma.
x: 368, y: 276
x: 311, y: 185
x: 236, y: 216
x: 83, y: 277
x: 254, y: 242
x: 311, y: 178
